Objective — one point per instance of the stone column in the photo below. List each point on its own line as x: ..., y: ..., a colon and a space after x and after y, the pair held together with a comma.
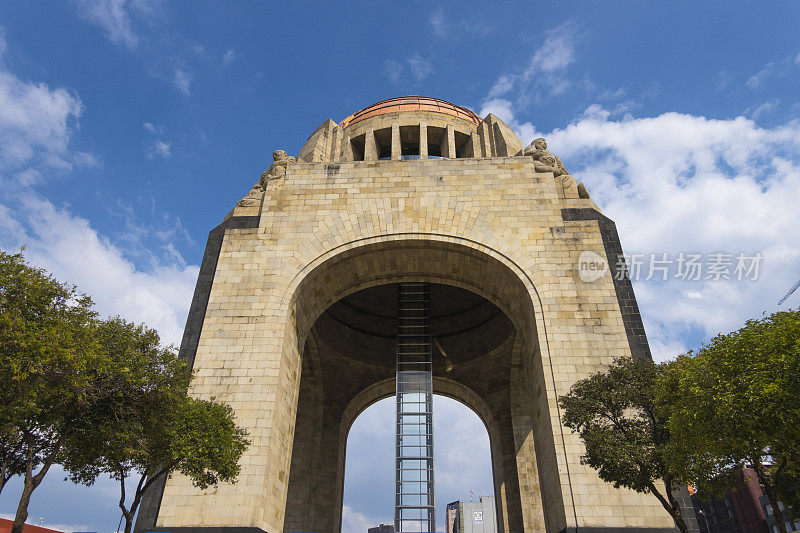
x: 449, y: 144
x: 423, y: 140
x: 486, y: 141
x: 396, y: 145
x: 336, y: 144
x: 475, y: 141
x: 346, y: 153
x: 370, y: 150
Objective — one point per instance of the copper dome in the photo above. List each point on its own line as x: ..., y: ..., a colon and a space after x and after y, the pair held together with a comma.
x: 411, y: 103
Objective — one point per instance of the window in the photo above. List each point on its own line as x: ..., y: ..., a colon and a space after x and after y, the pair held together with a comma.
x: 383, y: 143
x: 409, y: 142
x: 357, y: 145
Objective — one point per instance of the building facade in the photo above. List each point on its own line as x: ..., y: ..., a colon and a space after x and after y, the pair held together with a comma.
x: 383, y: 528
x: 293, y: 320
x: 473, y: 517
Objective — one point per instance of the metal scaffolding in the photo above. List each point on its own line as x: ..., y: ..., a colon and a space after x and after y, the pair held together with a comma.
x: 414, y: 509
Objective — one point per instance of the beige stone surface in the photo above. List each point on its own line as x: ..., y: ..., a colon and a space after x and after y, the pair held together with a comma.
x: 491, y: 225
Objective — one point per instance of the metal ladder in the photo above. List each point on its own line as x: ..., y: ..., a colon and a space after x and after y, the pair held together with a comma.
x: 414, y: 502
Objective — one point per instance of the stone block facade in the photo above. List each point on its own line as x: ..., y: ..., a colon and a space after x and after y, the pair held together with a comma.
x: 495, y: 226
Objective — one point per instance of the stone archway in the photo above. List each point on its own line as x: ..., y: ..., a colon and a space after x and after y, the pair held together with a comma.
x: 319, y: 229
x: 504, y: 383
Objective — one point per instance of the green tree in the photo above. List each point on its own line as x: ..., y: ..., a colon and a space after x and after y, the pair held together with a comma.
x: 625, y: 436
x: 736, y: 403
x: 48, y: 357
x: 149, y: 427
x: 12, y: 462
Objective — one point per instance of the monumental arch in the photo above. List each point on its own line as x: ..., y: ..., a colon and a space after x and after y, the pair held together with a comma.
x: 293, y: 318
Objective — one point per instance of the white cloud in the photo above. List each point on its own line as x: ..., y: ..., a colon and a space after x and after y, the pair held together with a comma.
x: 116, y: 17
x: 35, y: 122
x: 502, y: 86
x: 437, y: 22
x: 182, y: 80
x: 556, y: 53
x: 113, y: 17
x: 353, y: 522
x: 778, y: 68
x: 36, y: 127
x: 393, y: 70
x: 504, y: 110
x: 152, y: 128
x: 765, y: 108
x: 758, y: 78
x: 448, y: 24
x: 420, y: 67
x: 229, y: 56
x: 545, y: 72
x: 679, y: 182
x: 462, y: 458
x: 158, y: 149
x: 73, y: 251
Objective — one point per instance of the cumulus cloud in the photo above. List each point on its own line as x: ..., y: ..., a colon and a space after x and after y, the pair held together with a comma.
x: 353, y: 522
x: 229, y: 56
x: 182, y: 80
x: 556, y: 53
x: 504, y: 110
x: 67, y: 246
x: 36, y: 122
x: 682, y: 183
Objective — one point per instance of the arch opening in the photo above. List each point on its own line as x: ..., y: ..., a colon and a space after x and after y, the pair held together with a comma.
x: 487, y: 356
x: 463, y: 463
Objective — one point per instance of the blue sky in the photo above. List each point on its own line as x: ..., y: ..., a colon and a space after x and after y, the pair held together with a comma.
x: 129, y: 128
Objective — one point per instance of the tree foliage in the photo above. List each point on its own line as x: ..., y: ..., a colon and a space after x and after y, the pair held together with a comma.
x: 150, y: 427
x: 98, y: 396
x: 736, y: 403
x: 48, y: 360
x: 625, y: 436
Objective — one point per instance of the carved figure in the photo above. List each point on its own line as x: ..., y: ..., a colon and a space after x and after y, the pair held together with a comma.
x: 253, y: 197
x: 545, y: 161
x: 277, y: 170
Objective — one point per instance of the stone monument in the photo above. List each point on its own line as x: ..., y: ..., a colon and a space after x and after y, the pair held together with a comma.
x: 293, y: 321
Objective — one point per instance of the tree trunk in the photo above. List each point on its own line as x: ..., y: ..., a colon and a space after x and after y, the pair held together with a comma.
x: 141, y: 487
x: 31, y: 482
x: 22, y: 508
x: 129, y: 520
x: 3, y: 471
x: 675, y: 505
x: 671, y: 506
